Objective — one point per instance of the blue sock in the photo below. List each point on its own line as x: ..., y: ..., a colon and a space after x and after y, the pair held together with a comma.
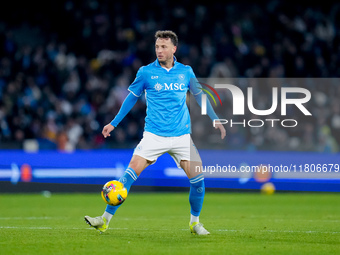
x: 127, y: 179
x: 196, y: 195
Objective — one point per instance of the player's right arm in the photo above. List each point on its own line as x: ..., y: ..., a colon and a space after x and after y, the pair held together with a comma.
x: 136, y: 89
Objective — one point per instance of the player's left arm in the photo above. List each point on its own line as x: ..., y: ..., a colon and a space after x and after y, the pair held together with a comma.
x: 211, y: 113
x: 197, y: 93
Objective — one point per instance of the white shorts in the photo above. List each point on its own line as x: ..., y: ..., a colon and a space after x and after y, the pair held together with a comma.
x: 179, y: 147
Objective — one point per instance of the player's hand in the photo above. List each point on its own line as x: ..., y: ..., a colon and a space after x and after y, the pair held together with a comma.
x: 107, y: 130
x: 222, y: 129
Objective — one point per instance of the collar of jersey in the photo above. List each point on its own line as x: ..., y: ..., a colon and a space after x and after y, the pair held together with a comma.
x: 158, y: 64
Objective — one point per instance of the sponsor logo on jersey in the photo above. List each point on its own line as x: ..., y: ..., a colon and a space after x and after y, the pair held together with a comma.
x: 158, y: 86
x: 169, y: 86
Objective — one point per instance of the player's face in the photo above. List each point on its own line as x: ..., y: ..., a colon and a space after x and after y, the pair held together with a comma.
x: 165, y: 50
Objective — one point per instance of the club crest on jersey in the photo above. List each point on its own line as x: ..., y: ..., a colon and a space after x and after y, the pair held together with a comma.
x: 158, y: 86
x: 181, y: 76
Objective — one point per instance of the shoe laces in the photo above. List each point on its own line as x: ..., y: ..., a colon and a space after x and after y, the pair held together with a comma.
x: 200, y: 229
x: 199, y: 225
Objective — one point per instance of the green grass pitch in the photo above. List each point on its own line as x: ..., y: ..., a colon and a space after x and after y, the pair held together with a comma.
x: 157, y: 223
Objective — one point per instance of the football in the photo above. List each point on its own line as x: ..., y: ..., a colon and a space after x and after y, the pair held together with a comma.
x: 114, y: 193
x: 268, y: 188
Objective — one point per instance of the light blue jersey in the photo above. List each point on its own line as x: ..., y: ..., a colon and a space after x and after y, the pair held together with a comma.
x: 167, y: 113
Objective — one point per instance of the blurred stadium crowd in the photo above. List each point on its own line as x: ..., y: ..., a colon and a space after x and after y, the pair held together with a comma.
x: 65, y: 65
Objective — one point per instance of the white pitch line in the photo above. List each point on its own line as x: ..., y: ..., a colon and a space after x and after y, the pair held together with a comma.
x: 280, y: 219
x: 146, y: 229
x: 27, y: 218
x: 54, y: 218
x: 38, y: 228
x: 283, y: 231
x: 141, y: 218
x: 11, y: 227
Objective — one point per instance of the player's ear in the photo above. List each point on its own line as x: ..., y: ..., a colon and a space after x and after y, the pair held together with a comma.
x: 174, y: 49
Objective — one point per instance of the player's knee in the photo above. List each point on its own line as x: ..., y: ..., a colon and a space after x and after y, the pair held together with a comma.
x: 195, y: 169
x: 138, y: 164
x: 191, y: 168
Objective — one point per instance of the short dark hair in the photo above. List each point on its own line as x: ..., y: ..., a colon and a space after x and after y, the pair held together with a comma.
x: 164, y: 34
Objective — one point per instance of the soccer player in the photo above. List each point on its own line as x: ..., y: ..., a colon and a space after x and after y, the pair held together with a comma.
x: 167, y: 126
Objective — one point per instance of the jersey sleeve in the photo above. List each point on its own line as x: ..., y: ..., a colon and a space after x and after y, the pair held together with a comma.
x: 127, y: 105
x: 138, y: 85
x: 194, y: 85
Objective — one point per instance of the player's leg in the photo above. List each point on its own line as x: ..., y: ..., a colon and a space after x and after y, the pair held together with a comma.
x: 136, y: 166
x: 146, y: 153
x: 197, y: 188
x: 187, y: 157
x: 196, y: 194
